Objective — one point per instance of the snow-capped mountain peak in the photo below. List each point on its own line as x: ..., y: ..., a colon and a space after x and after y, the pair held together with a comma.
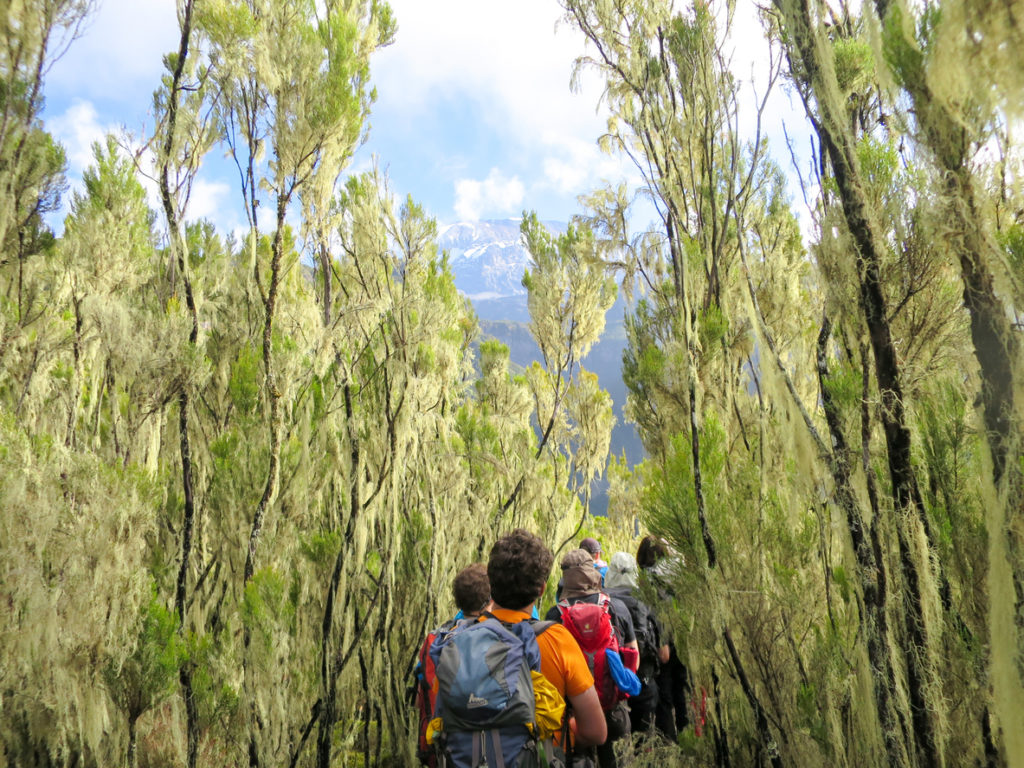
x: 488, y: 257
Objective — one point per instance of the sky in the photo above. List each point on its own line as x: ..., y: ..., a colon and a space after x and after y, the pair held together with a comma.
x: 474, y: 116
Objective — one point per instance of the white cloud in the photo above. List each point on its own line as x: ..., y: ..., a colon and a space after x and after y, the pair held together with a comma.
x: 504, y: 68
x: 573, y: 164
x: 563, y: 175
x: 208, y: 199
x: 78, y: 128
x: 266, y: 218
x: 119, y: 55
x: 494, y: 196
x: 508, y: 56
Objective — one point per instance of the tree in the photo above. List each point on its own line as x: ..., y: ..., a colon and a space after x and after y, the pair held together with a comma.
x: 918, y: 630
x: 183, y: 135
x: 728, y: 331
x: 952, y: 121
x: 569, y: 297
x: 309, y: 106
x: 74, y: 591
x: 35, y: 35
x: 674, y: 112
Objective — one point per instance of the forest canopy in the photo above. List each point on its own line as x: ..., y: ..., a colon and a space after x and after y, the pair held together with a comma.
x: 238, y: 471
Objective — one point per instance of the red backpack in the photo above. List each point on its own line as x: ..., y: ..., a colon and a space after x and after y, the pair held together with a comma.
x: 424, y: 694
x: 591, y: 625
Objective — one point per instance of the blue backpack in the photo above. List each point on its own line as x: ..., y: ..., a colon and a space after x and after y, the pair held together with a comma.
x: 485, y: 693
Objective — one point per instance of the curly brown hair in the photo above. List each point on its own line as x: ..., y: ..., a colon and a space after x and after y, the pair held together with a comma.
x: 651, y: 550
x: 518, y: 569
x: 472, y: 589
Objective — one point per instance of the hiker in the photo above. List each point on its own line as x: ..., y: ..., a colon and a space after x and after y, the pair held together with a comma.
x: 581, y: 587
x: 472, y: 592
x: 593, y: 546
x: 504, y: 679
x: 622, y: 582
x: 672, y: 713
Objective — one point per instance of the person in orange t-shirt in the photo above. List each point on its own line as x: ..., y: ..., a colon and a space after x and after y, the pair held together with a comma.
x: 518, y: 570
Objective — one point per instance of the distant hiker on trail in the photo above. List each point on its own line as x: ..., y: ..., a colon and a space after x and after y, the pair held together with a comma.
x: 672, y: 714
x: 472, y: 592
x: 593, y: 546
x: 600, y: 624
x: 622, y: 582
x: 503, y: 680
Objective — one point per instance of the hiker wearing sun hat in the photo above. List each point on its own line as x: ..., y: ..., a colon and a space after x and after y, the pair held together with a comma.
x: 622, y: 582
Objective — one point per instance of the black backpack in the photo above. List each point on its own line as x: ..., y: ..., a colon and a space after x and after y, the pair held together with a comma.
x: 645, y: 626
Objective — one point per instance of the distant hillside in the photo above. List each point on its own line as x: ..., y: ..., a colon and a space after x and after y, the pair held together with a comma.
x: 488, y: 262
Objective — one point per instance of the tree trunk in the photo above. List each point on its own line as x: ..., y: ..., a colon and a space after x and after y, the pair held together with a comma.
x: 133, y: 758
x: 325, y: 266
x: 179, y: 252
x: 914, y: 633
x: 330, y: 666
x: 679, y: 281
x: 768, y: 745
x: 870, y: 569
x: 272, y: 393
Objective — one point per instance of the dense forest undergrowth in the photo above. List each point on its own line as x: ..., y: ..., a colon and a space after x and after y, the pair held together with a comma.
x: 237, y: 474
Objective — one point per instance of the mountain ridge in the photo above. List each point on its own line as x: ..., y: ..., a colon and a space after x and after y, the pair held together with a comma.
x: 488, y: 257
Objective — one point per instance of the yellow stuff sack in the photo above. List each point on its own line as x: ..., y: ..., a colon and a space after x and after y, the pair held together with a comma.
x: 434, y: 727
x: 549, y: 706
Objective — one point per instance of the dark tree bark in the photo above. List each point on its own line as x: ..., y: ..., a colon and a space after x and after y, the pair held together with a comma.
x: 180, y: 256
x: 870, y: 567
x: 836, y: 138
x: 768, y: 744
x: 325, y: 267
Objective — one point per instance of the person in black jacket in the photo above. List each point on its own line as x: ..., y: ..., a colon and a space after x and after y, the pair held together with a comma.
x: 621, y: 582
x: 672, y: 712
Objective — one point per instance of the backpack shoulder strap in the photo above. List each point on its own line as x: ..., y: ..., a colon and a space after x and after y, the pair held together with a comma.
x: 441, y: 629
x: 421, y: 657
x: 435, y: 633
x: 540, y: 627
